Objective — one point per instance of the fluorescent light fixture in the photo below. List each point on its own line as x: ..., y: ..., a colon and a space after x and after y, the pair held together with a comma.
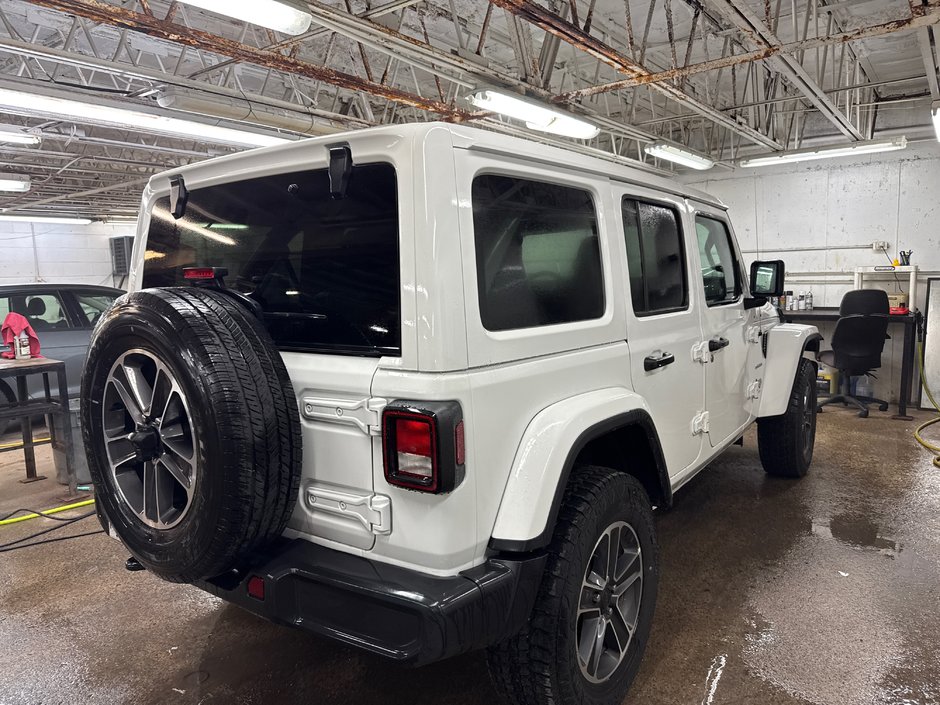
x: 14, y: 183
x: 64, y: 109
x: 535, y: 116
x: 935, y: 114
x: 680, y: 155
x: 227, y: 226
x: 847, y: 150
x: 16, y: 135
x: 167, y: 217
x: 56, y: 220
x: 279, y: 15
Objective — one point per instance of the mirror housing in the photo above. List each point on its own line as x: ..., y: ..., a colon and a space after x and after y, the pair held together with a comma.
x: 767, y: 278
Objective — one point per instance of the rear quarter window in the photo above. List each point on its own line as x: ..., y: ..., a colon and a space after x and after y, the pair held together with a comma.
x: 537, y: 253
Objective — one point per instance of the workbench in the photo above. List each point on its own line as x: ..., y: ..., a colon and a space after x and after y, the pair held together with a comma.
x: 52, y: 407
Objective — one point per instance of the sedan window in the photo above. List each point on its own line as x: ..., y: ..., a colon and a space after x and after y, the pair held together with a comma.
x: 43, y: 311
x: 93, y: 305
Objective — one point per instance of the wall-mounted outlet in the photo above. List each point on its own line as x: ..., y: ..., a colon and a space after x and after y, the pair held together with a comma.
x: 879, y: 245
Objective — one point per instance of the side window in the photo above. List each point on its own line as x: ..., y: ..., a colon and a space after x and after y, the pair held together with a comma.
x: 720, y: 270
x: 655, y: 257
x: 93, y: 305
x: 537, y: 251
x: 43, y: 311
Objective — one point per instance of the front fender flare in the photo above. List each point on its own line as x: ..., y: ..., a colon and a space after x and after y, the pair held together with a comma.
x: 545, y: 457
x: 786, y: 345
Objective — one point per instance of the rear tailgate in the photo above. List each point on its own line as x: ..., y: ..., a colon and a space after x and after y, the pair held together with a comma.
x: 341, y: 439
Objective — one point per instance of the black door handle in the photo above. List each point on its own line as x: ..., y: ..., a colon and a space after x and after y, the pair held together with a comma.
x: 716, y: 344
x: 654, y: 362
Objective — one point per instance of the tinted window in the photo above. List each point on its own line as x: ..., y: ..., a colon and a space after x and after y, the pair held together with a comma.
x: 93, y: 305
x: 719, y: 265
x: 325, y: 271
x: 44, y: 311
x: 538, y: 260
x: 655, y: 257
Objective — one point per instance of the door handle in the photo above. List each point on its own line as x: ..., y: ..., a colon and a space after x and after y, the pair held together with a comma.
x: 716, y: 344
x: 654, y: 362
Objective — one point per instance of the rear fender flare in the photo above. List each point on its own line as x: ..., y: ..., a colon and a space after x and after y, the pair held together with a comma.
x: 547, y: 454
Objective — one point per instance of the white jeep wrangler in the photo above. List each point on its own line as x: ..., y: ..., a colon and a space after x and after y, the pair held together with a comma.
x: 419, y: 388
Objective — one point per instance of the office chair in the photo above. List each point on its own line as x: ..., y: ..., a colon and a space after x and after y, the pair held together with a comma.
x: 857, y: 343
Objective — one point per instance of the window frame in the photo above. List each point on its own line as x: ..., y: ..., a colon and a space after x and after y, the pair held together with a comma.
x: 740, y: 281
x: 683, y: 252
x: 75, y: 307
x: 597, y: 207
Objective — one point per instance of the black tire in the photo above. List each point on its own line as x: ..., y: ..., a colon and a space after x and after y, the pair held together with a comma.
x: 786, y: 441
x: 244, y: 429
x: 540, y: 665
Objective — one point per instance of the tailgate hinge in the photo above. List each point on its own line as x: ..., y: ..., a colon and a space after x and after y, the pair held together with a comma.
x: 700, y: 423
x: 364, y: 414
x: 372, y: 511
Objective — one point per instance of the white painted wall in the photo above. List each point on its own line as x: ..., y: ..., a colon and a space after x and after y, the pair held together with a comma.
x: 71, y: 254
x: 821, y: 218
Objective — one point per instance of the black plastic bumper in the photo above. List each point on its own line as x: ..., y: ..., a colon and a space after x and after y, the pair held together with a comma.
x: 405, y: 615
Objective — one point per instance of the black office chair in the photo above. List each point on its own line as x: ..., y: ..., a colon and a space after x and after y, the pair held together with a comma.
x: 857, y: 344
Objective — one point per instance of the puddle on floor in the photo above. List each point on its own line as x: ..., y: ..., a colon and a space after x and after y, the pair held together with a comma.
x: 857, y: 531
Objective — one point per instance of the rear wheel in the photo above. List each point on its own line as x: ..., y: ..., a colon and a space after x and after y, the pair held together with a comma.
x: 191, y: 430
x: 588, y: 631
x: 786, y: 442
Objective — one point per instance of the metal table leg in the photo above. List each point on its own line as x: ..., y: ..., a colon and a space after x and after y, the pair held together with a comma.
x: 66, y: 428
x: 907, y: 363
x: 26, y: 422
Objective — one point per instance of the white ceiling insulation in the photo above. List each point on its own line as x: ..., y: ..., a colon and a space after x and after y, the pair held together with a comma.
x: 726, y: 78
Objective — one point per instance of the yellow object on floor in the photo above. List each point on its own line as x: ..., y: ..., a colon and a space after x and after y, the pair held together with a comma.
x: 19, y: 444
x: 47, y: 512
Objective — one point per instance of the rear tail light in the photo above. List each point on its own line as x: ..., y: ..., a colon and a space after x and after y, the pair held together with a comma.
x: 423, y: 445
x: 204, y: 273
x: 256, y: 587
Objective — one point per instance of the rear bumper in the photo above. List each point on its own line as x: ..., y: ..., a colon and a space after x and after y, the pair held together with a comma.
x: 399, y: 613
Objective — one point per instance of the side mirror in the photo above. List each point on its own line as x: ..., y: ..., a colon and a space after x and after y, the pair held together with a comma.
x: 767, y: 278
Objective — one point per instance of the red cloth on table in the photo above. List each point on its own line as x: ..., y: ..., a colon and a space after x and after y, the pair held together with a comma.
x: 13, y: 325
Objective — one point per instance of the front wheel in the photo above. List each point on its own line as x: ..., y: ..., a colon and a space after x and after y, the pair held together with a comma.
x: 786, y: 441
x: 591, y: 622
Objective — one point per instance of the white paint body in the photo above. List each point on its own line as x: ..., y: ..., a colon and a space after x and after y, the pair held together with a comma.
x: 526, y: 395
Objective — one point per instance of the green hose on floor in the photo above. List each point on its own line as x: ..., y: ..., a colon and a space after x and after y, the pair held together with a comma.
x: 920, y: 429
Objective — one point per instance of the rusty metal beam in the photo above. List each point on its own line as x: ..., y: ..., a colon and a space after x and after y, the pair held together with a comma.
x: 574, y: 35
x: 761, y: 35
x: 114, y: 15
x: 924, y: 18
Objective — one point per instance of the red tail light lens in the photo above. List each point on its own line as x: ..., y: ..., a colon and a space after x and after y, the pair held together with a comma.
x: 422, y: 445
x: 256, y: 587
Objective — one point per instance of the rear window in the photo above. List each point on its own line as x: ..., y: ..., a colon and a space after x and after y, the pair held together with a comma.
x: 325, y: 271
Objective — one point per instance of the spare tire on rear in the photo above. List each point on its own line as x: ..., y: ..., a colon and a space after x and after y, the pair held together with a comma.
x: 191, y: 430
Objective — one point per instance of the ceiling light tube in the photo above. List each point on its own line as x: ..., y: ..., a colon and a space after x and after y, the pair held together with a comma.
x: 846, y: 150
x: 279, y: 15
x: 535, y: 116
x: 678, y: 154
x: 14, y: 183
x: 65, y: 109
x: 16, y: 135
x: 58, y: 220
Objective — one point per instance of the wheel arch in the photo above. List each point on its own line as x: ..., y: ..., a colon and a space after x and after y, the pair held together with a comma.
x: 611, y: 428
x: 787, y: 344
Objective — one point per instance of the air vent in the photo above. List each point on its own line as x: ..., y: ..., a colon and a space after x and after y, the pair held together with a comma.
x: 121, y: 255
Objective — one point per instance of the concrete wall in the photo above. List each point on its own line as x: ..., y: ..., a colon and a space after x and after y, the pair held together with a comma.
x: 74, y: 254
x: 821, y: 218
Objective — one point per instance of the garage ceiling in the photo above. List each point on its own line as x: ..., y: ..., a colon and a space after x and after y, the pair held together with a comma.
x: 725, y: 77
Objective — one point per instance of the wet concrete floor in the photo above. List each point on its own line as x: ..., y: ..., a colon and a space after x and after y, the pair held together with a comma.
x: 822, y: 591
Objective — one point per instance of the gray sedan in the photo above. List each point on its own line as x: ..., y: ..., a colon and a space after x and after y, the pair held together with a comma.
x: 63, y: 316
